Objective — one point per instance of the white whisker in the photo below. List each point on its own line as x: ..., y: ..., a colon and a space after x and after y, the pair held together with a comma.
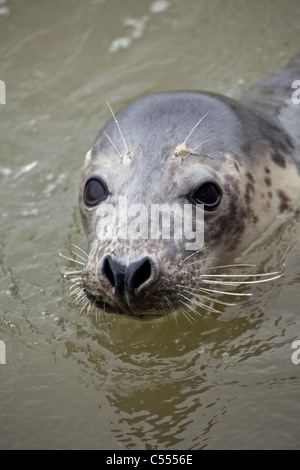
x: 79, y: 296
x: 199, y: 304
x: 238, y: 275
x: 119, y: 129
x: 195, y: 253
x: 204, y: 306
x: 231, y: 266
x: 205, y: 297
x: 199, y: 260
x: 115, y: 147
x: 195, y: 126
x: 75, y: 291
x: 169, y: 303
x: 204, y: 289
x: 186, y: 314
x: 89, y: 308
x: 79, y: 256
x: 202, y: 154
x: 190, y: 307
x: 239, y: 283
x: 71, y: 259
x: 75, y: 280
x: 71, y: 273
x: 80, y: 249
x: 84, y: 306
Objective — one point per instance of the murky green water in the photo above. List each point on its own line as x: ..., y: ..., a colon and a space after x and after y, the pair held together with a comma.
x: 78, y: 381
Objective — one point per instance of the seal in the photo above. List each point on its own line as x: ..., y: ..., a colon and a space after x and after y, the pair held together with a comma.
x: 236, y: 159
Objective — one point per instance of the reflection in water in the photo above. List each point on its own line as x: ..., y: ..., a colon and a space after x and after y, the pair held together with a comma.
x: 157, y: 388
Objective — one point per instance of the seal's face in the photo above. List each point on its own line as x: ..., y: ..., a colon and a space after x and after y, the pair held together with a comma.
x: 175, y: 150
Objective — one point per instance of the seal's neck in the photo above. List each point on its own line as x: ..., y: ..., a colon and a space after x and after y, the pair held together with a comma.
x: 275, y: 96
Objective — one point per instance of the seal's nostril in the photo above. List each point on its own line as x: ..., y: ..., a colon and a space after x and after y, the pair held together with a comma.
x: 138, y: 273
x: 108, y: 272
x: 113, y: 271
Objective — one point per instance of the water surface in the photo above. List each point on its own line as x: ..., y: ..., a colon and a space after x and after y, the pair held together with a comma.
x: 73, y: 380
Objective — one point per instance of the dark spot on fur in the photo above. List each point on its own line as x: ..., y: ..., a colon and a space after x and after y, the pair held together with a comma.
x: 247, y: 196
x: 262, y: 195
x: 268, y: 181
x: 267, y: 170
x: 270, y: 194
x: 236, y: 167
x: 252, y: 216
x: 278, y: 159
x: 284, y: 201
x: 250, y: 177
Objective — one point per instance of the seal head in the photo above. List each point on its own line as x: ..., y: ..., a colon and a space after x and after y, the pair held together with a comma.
x: 182, y: 148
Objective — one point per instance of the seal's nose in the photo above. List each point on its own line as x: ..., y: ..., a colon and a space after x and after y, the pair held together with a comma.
x: 137, y: 274
x: 131, y: 277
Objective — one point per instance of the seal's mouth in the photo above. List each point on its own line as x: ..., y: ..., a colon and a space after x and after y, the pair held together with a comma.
x: 126, y: 311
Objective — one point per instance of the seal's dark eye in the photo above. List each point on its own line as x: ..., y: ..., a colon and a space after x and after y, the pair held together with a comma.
x: 208, y: 194
x: 95, y: 191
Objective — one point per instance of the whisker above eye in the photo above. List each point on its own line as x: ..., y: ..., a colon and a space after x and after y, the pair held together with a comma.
x: 115, y: 147
x: 118, y: 126
x: 195, y: 126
